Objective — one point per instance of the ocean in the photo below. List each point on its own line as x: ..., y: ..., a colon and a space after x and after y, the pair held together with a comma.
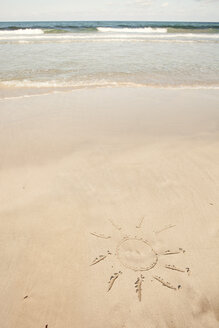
x: 69, y: 55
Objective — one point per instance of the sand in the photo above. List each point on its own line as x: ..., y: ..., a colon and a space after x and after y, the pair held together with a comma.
x: 109, y: 209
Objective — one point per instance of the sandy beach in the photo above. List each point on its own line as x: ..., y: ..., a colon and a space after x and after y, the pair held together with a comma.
x: 109, y: 209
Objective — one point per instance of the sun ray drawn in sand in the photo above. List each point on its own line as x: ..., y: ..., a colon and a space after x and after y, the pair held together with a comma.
x: 137, y: 254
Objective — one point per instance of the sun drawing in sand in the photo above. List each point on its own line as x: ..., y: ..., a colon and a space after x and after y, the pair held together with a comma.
x: 137, y: 254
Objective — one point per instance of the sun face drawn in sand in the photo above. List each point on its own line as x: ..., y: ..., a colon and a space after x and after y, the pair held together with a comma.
x: 137, y: 254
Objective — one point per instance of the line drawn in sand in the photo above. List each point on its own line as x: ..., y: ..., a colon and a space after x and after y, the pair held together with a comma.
x: 138, y: 286
x: 113, y: 279
x: 115, y: 225
x: 137, y: 254
x: 100, y: 235
x: 100, y: 258
x: 178, y: 251
x: 172, y: 267
x: 166, y: 284
x: 138, y: 226
x: 169, y: 226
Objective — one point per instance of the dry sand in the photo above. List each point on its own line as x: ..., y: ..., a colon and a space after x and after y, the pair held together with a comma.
x: 80, y: 172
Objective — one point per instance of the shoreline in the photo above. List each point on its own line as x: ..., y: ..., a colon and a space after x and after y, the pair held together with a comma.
x: 33, y: 91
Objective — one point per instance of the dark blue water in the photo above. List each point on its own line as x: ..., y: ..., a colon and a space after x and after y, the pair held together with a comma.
x: 93, y: 25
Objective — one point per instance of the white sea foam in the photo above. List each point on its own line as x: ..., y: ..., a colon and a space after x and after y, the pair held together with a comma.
x: 132, y: 30
x: 22, y: 32
x: 108, y: 36
x: 131, y: 40
x: 54, y: 84
x: 97, y: 83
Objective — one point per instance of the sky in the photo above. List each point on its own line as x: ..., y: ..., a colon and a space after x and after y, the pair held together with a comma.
x: 162, y: 10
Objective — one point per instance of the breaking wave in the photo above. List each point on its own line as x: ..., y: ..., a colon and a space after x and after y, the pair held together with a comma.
x: 26, y: 31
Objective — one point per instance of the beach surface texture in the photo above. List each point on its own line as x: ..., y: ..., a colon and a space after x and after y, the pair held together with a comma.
x: 109, y: 207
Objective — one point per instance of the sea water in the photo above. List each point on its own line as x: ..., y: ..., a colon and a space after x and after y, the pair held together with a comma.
x: 58, y: 55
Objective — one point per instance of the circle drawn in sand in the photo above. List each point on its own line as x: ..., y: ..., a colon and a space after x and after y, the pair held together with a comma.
x: 136, y: 254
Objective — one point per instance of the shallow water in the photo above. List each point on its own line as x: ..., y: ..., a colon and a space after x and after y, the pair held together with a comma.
x: 86, y: 54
